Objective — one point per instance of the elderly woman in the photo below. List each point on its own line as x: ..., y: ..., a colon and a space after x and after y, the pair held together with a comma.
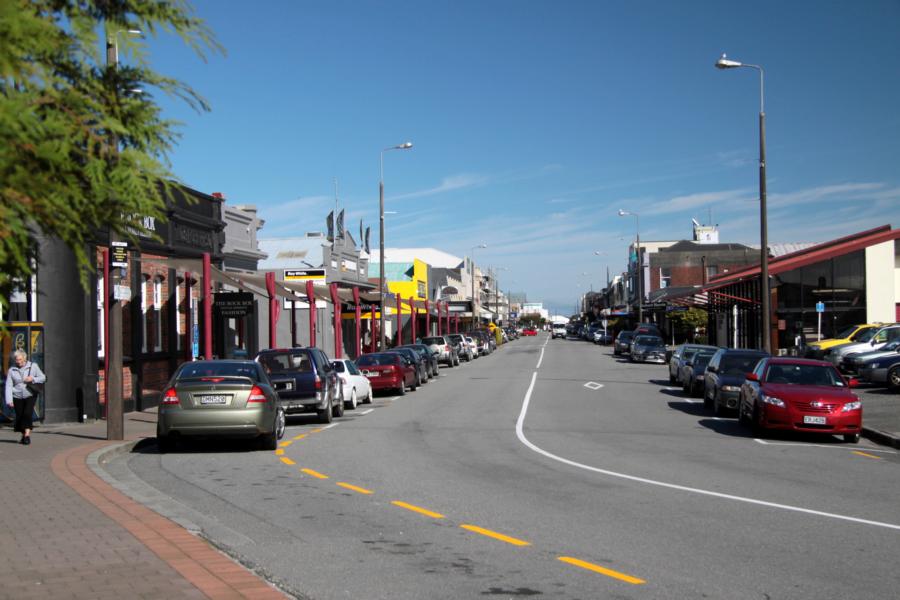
x: 18, y: 395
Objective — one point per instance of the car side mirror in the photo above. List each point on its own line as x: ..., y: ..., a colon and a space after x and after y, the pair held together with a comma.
x: 711, y: 369
x: 854, y: 382
x: 752, y: 377
x: 689, y: 364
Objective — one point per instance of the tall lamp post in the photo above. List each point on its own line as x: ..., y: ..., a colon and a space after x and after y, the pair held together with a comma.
x: 474, y: 291
x: 115, y: 409
x: 403, y: 146
x: 640, y: 261
x: 726, y: 63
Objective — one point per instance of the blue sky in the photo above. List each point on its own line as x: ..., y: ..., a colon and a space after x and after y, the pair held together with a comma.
x: 534, y: 122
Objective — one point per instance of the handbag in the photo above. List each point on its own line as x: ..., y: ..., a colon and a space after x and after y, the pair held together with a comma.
x: 34, y: 388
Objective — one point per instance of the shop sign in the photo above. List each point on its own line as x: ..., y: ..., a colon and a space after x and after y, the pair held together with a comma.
x: 118, y: 255
x: 233, y: 304
x: 304, y: 274
x: 122, y: 292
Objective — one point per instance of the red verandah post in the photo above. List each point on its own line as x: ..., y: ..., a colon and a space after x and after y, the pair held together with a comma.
x: 336, y: 303
x: 357, y: 343
x: 311, y: 298
x: 273, y: 306
x: 207, y: 308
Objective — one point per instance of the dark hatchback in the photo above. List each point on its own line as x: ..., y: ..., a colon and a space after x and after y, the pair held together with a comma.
x: 417, y: 360
x: 623, y: 342
x: 305, y: 381
x: 648, y: 348
x: 725, y: 374
x: 428, y: 355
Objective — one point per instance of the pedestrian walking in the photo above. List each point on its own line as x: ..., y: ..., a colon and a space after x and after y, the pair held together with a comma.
x: 24, y: 383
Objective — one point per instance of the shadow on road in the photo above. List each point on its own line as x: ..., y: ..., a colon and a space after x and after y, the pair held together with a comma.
x: 729, y: 427
x: 664, y: 382
x: 674, y: 393
x: 689, y: 408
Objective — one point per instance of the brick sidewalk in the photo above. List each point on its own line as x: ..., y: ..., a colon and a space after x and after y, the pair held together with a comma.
x: 65, y: 533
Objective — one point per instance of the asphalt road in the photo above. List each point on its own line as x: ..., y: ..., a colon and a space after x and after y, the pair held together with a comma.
x: 551, y: 469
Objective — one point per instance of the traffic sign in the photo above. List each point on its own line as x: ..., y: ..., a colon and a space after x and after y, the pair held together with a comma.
x: 820, y: 307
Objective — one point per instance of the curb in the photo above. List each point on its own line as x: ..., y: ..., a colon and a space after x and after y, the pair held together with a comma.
x: 881, y: 437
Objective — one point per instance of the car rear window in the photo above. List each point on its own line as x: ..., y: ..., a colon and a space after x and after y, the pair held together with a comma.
x: 338, y: 366
x: 369, y: 360
x: 218, y: 369
x: 433, y: 340
x: 291, y: 362
x: 738, y: 364
x: 648, y: 340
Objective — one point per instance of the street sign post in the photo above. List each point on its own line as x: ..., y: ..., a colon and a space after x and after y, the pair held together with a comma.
x: 820, y: 308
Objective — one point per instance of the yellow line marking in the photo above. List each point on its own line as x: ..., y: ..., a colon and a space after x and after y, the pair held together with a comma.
x: 601, y: 570
x: 299, y: 437
x: 279, y: 452
x: 495, y: 535
x: 355, y: 488
x: 418, y: 509
x: 285, y: 444
x: 316, y: 430
x: 866, y: 455
x: 287, y: 461
x: 315, y: 474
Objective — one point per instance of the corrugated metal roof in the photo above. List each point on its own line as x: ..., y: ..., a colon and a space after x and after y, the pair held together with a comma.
x: 789, y: 247
x: 431, y: 256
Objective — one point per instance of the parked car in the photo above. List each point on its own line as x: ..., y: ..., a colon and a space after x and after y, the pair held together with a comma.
x: 558, y: 331
x: 462, y: 346
x: 838, y: 354
x: 418, y: 362
x: 647, y: 329
x: 856, y: 361
x: 428, y: 355
x: 446, y: 352
x: 801, y: 395
x: 482, y: 342
x: 623, y: 342
x: 219, y: 398
x: 676, y: 361
x: 724, y: 376
x: 854, y: 333
x: 388, y: 371
x: 693, y: 372
x: 356, y: 387
x: 603, y: 337
x: 473, y: 346
x: 305, y: 381
x: 883, y: 371
x: 529, y: 331
x: 648, y: 348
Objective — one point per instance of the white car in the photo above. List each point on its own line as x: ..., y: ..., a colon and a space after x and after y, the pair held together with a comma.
x: 356, y: 388
x: 839, y: 354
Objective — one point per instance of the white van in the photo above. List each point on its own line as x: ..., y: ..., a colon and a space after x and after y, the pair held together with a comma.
x: 558, y: 330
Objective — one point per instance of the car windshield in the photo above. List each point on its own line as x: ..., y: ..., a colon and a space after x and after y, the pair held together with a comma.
x: 703, y: 357
x: 738, y: 364
x: 370, y: 360
x: 846, y: 333
x: 688, y: 354
x: 626, y: 335
x: 218, y: 369
x: 648, y: 340
x: 803, y: 375
x: 338, y: 366
x: 433, y: 340
x: 866, y: 335
x: 286, y: 362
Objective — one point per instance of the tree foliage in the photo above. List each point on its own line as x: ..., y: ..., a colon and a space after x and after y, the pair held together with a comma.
x: 690, y: 320
x: 532, y: 320
x: 83, y: 145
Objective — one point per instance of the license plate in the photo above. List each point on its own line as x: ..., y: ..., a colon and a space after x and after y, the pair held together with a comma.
x: 286, y: 386
x: 213, y: 399
x: 807, y: 420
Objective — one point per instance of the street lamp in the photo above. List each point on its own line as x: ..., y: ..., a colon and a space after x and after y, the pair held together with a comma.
x: 403, y: 146
x: 640, y: 261
x: 726, y: 63
x: 474, y: 293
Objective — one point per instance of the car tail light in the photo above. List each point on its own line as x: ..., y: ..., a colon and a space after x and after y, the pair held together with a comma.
x: 447, y: 348
x: 318, y: 383
x: 170, y: 396
x: 256, y: 395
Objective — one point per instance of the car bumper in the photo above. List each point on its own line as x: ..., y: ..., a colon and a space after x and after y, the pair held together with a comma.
x: 835, y: 423
x: 248, y: 422
x: 385, y: 383
x: 299, y: 404
x: 873, y: 375
x: 729, y: 399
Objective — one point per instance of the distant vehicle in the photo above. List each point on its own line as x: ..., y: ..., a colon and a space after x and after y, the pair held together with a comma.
x: 558, y: 330
x: 838, y: 354
x: 884, y: 370
x: 463, y: 349
x: 603, y: 337
x: 356, y: 387
x: 529, y: 331
x: 305, y: 381
x: 693, y: 372
x: 647, y: 329
x: 800, y: 395
x: 676, y: 361
x: 444, y: 349
x: 428, y: 355
x: 855, y: 361
x: 648, y: 348
x: 724, y: 376
x: 417, y: 361
x: 623, y: 342
x: 854, y: 333
x: 219, y: 398
x: 388, y: 371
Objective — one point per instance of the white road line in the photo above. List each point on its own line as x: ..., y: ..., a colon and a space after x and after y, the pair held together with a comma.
x: 521, y: 435
x: 540, y: 360
x: 802, y: 445
x: 365, y: 412
x: 691, y: 401
x: 330, y: 426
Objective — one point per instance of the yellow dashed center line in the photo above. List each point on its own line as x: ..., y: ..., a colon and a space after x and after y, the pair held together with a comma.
x: 315, y: 474
x: 287, y: 461
x: 285, y: 444
x: 602, y: 570
x: 316, y: 430
x: 495, y: 535
x: 355, y: 488
x: 860, y: 453
x: 418, y: 509
x: 299, y: 437
x: 279, y: 452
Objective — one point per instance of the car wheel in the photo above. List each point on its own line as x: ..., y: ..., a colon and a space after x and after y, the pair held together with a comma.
x: 457, y: 361
x: 616, y: 353
x: 851, y: 438
x: 337, y: 409
x: 707, y: 401
x: 325, y: 415
x: 756, y: 422
x: 893, y: 379
x: 671, y: 378
x: 280, y: 423
x: 415, y: 384
x: 368, y: 399
x: 718, y: 409
x: 351, y: 404
x: 401, y: 391
x: 742, y: 415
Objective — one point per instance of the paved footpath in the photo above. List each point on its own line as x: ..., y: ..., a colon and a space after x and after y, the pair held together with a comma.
x: 66, y: 533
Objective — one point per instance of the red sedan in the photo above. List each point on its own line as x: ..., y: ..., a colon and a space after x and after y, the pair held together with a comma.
x: 529, y: 331
x: 800, y: 395
x: 388, y: 371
